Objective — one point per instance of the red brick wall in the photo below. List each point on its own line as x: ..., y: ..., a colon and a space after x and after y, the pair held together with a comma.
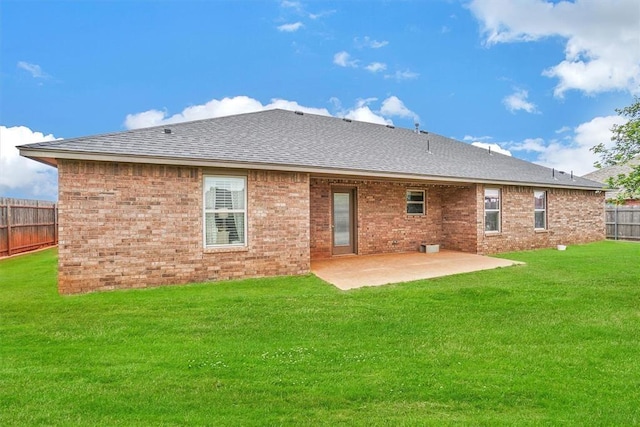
x: 455, y: 218
x: 459, y: 219
x: 320, y: 218
x: 383, y: 224
x: 130, y: 225
x: 573, y: 216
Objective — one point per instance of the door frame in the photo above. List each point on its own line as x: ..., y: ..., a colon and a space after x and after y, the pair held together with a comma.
x: 352, y: 248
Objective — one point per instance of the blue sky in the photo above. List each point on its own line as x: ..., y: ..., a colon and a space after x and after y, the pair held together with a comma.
x: 540, y: 79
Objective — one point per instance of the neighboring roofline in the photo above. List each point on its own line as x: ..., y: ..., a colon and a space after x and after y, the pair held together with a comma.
x: 49, y: 156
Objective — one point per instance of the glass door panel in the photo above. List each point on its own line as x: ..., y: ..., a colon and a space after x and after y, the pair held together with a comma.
x: 343, y: 220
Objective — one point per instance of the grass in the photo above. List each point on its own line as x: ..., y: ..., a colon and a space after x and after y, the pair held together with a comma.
x: 552, y: 342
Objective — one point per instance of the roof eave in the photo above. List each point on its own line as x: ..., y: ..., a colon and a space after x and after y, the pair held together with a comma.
x: 50, y: 157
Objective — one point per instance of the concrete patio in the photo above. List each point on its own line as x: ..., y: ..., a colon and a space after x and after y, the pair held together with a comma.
x: 356, y: 271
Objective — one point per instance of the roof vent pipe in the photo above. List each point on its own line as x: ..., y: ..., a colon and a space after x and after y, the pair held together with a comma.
x: 489, y: 150
x: 417, y: 125
x: 167, y: 130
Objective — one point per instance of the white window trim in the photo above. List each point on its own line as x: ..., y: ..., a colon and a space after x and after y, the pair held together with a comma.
x: 423, y: 202
x: 205, y: 211
x: 535, y: 210
x: 499, y: 210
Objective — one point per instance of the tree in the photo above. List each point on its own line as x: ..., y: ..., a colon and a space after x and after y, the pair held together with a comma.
x: 626, y: 148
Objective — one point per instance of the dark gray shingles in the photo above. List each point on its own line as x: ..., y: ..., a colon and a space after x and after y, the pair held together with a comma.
x: 279, y: 137
x: 603, y: 174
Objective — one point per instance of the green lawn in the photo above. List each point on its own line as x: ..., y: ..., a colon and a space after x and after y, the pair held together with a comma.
x: 554, y: 342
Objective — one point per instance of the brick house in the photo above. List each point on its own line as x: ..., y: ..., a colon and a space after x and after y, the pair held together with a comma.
x: 262, y: 194
x: 611, y: 194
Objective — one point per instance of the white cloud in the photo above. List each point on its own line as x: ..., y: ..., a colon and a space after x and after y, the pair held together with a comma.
x: 572, y: 153
x: 335, y: 101
x: 215, y: 108
x: 322, y: 14
x: 536, y: 145
x: 297, y: 7
x: 290, y: 4
x: 364, y: 114
x: 290, y: 28
x: 568, y: 158
x: 476, y: 138
x: 343, y: 59
x: 145, y: 119
x: 360, y: 102
x: 596, y: 131
x: 402, y: 75
x: 361, y: 111
x: 518, y: 101
x: 602, y: 47
x: 367, y: 41
x: 393, y: 106
x: 283, y: 104
x: 495, y: 148
x: 22, y: 177
x: 34, y: 69
x: 376, y: 67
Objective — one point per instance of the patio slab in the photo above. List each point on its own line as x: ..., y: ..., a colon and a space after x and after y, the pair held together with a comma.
x: 356, y: 271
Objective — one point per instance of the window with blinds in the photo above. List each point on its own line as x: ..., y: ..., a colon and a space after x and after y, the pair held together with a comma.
x: 225, y: 213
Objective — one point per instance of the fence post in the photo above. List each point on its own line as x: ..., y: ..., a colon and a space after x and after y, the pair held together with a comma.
x: 55, y: 224
x: 8, y: 229
x: 615, y: 222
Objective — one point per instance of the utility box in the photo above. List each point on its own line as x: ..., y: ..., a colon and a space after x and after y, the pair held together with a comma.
x: 429, y: 249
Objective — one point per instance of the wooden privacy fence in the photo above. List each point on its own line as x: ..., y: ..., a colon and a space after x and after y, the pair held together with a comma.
x: 623, y: 222
x: 26, y: 225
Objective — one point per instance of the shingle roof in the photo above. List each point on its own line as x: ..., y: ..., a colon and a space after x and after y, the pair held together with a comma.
x: 602, y: 175
x: 279, y: 138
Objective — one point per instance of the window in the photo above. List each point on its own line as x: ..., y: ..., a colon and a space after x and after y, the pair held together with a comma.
x: 540, y: 209
x: 415, y: 202
x: 225, y: 213
x: 492, y: 209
